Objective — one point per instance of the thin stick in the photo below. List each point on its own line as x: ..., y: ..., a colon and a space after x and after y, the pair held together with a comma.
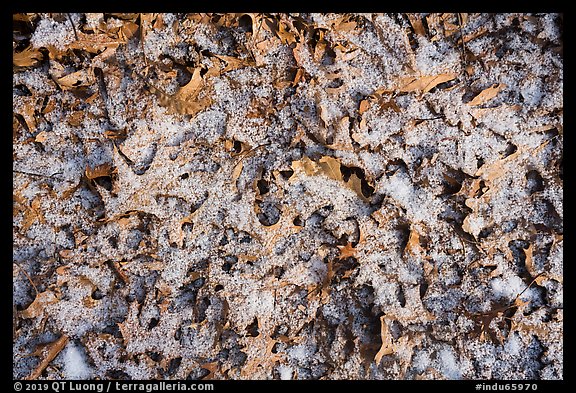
x: 36, y: 174
x: 73, y: 27
x: 28, y: 277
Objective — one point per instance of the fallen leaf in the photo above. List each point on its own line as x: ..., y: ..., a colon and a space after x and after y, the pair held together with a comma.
x: 355, y: 184
x: 188, y: 100
x: 36, y: 308
x: 102, y: 170
x: 234, y: 63
x: 387, y: 347
x: 286, y: 36
x: 413, y: 246
x: 191, y: 90
x: 211, y: 368
x: 236, y: 173
x: 529, y: 262
x: 41, y: 137
x: 424, y: 83
x: 364, y: 106
x: 487, y: 94
x: 75, y: 80
x: 52, y: 350
x: 330, y: 167
x: 416, y: 23
x: 347, y: 251
x: 305, y: 164
x: 27, y: 58
x: 94, y: 43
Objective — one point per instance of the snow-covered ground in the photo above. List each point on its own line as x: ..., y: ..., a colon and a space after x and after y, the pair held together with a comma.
x: 302, y: 196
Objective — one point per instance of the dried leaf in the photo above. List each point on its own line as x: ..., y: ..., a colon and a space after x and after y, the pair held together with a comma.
x: 51, y: 352
x: 387, y: 347
x: 189, y: 100
x: 416, y: 23
x: 487, y: 94
x: 41, y: 137
x: 346, y: 26
x: 237, y: 172
x: 212, y: 367
x: 234, y: 63
x: 424, y: 83
x: 102, y: 170
x: 36, y: 308
x: 191, y: 90
x: 323, y: 112
x: 75, y: 80
x: 413, y: 246
x: 364, y: 106
x: 529, y: 260
x: 305, y: 164
x: 347, y: 251
x: 27, y: 58
x: 330, y: 167
x: 355, y: 184
x: 286, y: 36
x: 95, y: 43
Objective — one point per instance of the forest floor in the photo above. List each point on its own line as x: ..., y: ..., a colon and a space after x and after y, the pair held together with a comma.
x: 288, y: 196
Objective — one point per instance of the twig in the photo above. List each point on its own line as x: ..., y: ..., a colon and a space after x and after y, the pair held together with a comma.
x: 463, y: 48
x: 73, y: 27
x: 28, y: 277
x: 52, y: 352
x: 36, y: 174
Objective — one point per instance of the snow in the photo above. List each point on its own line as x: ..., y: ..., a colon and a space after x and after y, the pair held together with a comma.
x: 178, y: 240
x: 449, y: 364
x: 49, y: 32
x: 75, y: 365
x: 286, y: 372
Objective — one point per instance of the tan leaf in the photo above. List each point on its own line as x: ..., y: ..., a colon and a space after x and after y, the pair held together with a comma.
x: 346, y: 251
x: 94, y: 43
x: 233, y: 63
x: 355, y: 184
x: 52, y: 350
x: 413, y: 246
x: 364, y: 106
x: 305, y: 164
x: 191, y: 90
x: 41, y: 137
x: 75, y: 80
x: 416, y: 23
x: 529, y: 260
x: 66, y: 254
x: 298, y: 77
x: 387, y: 347
x: 99, y: 171
x: 36, y: 308
x: 330, y: 167
x: 27, y: 58
x: 236, y: 173
x: 424, y: 83
x: 287, y: 37
x: 346, y: 26
x: 189, y: 100
x: 487, y: 94
x: 323, y: 112
x: 115, y: 134
x: 212, y: 367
